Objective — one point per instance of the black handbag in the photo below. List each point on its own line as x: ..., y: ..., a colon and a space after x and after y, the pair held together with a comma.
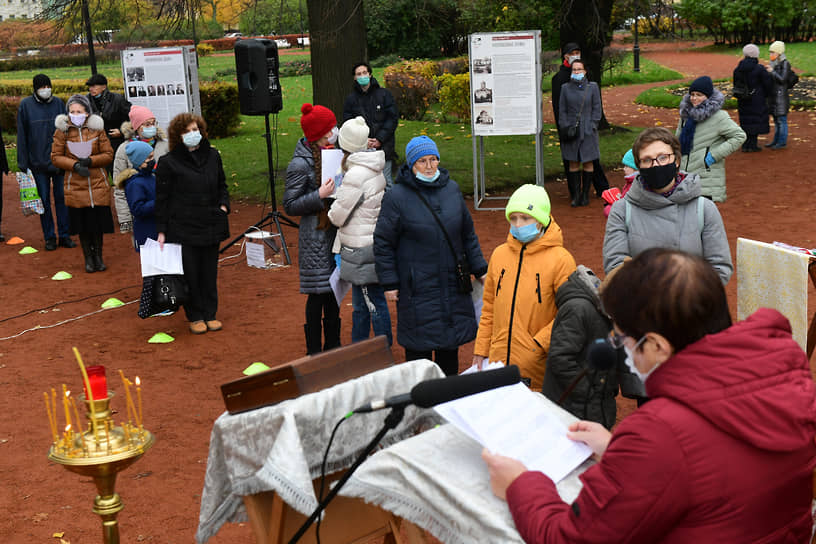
x: 169, y: 292
x: 568, y: 134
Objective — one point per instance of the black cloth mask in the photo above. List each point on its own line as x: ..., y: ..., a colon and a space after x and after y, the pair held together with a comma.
x: 658, y: 177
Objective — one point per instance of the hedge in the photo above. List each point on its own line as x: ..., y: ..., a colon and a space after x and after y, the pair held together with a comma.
x: 414, y: 83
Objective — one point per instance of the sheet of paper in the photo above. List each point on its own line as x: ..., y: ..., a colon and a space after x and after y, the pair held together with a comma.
x: 514, y: 422
x: 339, y: 287
x: 255, y: 255
x: 157, y: 261
x: 331, y: 160
x: 80, y: 149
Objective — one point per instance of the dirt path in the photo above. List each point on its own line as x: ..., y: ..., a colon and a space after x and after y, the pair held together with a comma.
x: 770, y: 198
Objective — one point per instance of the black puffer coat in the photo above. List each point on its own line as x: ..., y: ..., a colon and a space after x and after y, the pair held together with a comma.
x: 190, y: 190
x: 378, y: 108
x: 114, y: 109
x: 413, y: 256
x: 753, y: 111
x: 779, y: 99
x: 579, y: 321
x: 301, y: 197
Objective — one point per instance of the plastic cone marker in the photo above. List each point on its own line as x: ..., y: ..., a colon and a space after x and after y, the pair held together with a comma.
x: 160, y: 338
x: 14, y: 240
x: 27, y: 250
x: 61, y: 275
x: 112, y: 303
x: 255, y: 368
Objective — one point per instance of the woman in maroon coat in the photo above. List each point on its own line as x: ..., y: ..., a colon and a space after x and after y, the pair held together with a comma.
x: 724, y: 451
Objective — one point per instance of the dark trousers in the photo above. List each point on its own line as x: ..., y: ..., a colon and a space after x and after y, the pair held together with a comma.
x: 321, y: 305
x: 446, y: 359
x: 201, y: 273
x: 45, y: 184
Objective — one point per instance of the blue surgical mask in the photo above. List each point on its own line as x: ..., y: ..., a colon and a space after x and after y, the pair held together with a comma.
x: 428, y: 179
x: 363, y: 81
x: 577, y: 77
x: 526, y: 233
x: 192, y: 138
x: 148, y: 132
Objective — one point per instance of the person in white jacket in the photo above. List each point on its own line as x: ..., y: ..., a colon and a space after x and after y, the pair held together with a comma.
x: 354, y: 212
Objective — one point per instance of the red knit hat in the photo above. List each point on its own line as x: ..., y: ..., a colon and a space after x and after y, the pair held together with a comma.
x: 317, y: 121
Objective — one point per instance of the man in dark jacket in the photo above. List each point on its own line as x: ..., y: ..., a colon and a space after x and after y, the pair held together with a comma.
x: 35, y: 134
x: 376, y: 105
x: 753, y: 83
x: 570, y: 52
x: 112, y: 107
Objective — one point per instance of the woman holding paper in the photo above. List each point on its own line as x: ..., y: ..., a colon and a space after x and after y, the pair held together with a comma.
x: 83, y: 150
x: 192, y: 204
x: 723, y: 451
x: 307, y: 197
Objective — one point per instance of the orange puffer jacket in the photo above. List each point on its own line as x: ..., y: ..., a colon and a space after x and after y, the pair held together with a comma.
x: 80, y: 191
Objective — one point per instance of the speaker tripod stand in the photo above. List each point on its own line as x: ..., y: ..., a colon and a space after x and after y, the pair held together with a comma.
x: 273, y: 217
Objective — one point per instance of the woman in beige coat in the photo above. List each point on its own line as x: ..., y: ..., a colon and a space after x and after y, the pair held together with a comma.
x: 82, y: 149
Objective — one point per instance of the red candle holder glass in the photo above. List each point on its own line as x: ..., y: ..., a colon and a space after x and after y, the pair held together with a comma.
x: 99, y: 384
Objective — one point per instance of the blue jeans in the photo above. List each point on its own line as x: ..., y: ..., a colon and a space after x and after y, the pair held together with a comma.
x: 781, y: 132
x: 369, y: 308
x: 388, y: 174
x: 45, y: 183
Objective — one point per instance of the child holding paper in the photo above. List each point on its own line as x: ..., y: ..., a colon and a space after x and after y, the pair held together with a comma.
x: 139, y: 185
x: 519, y: 293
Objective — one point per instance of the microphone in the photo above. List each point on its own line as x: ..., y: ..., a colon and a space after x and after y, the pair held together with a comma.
x: 432, y: 392
x: 600, y: 356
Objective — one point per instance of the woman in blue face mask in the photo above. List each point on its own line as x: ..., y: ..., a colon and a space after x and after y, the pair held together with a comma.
x: 425, y: 252
x: 579, y: 112
x: 519, y: 297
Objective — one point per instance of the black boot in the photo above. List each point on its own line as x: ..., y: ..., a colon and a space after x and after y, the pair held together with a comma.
x: 586, y: 185
x: 97, y: 245
x: 574, y: 186
x: 331, y: 333
x: 88, y: 252
x: 312, y: 338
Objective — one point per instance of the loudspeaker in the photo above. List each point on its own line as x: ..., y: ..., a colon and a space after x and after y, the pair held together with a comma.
x: 256, y: 66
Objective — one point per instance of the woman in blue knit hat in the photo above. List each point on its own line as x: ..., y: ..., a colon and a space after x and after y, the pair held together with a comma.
x: 425, y: 253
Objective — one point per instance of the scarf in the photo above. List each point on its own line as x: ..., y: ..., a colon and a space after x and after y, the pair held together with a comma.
x: 687, y: 136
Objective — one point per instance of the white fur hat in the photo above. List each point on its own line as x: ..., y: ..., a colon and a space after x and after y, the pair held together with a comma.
x: 354, y: 135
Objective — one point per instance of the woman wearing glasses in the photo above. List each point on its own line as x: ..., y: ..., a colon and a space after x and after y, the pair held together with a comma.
x: 425, y: 250
x: 664, y: 208
x: 724, y: 450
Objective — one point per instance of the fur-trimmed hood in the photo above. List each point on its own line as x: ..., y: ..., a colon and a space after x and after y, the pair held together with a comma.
x: 93, y: 122
x: 121, y: 178
x: 128, y: 132
x: 706, y: 109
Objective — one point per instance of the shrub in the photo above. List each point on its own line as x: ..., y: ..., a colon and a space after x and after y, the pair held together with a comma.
x: 454, y: 94
x: 458, y: 65
x: 386, y: 60
x: 8, y: 112
x: 221, y: 108
x: 295, y: 68
x: 49, y: 61
x: 204, y: 49
x: 412, y: 93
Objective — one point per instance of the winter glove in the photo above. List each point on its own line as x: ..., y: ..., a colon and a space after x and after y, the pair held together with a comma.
x: 82, y: 170
x: 86, y: 162
x: 709, y: 159
x: 337, y: 260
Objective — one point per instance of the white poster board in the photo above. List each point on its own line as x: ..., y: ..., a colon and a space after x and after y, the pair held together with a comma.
x: 505, y: 79
x: 163, y: 80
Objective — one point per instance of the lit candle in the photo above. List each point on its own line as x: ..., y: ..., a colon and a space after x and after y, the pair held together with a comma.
x: 52, y: 424
x: 66, y: 440
x: 139, y: 397
x: 128, y: 401
x: 54, y: 408
x: 87, y: 389
x: 76, y: 413
x: 65, y: 405
x: 98, y: 381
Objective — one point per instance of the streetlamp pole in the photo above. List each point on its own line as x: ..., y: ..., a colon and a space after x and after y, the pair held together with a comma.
x: 86, y: 17
x: 636, y: 48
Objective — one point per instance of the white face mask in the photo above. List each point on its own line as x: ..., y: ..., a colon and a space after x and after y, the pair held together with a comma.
x: 572, y: 58
x: 44, y: 93
x: 630, y: 363
x: 333, y: 135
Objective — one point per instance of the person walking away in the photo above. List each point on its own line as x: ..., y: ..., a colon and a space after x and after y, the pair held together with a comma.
x: 707, y: 136
x: 354, y: 211
x: 580, y: 103
x: 779, y: 100
x: 113, y: 108
x: 377, y: 106
x: 523, y: 275
x: 139, y: 186
x: 82, y: 150
x: 35, y: 136
x: 304, y: 195
x: 142, y: 127
x: 752, y: 86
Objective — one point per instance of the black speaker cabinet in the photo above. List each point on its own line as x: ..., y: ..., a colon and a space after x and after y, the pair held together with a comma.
x: 256, y: 66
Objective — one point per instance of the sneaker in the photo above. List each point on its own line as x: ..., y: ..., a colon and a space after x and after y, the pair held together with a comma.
x: 770, y: 144
x: 66, y: 242
x: 2, y: 238
x: 214, y: 325
x: 198, y: 327
x: 779, y: 146
x: 51, y: 244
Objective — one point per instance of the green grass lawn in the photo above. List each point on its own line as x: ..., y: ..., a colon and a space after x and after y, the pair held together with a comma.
x: 624, y: 74
x: 801, y: 55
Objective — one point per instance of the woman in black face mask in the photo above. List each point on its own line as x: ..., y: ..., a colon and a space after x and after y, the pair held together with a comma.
x: 665, y: 208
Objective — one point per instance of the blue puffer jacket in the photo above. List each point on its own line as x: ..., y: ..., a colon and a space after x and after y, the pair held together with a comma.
x: 413, y: 256
x: 35, y: 133
x: 140, y: 192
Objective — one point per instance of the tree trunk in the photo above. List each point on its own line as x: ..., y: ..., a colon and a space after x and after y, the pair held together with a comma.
x: 337, y: 39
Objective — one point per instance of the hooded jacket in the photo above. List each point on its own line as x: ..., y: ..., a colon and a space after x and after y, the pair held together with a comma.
x: 121, y: 163
x: 80, y: 191
x: 139, y: 189
x: 716, y: 133
x: 378, y: 108
x: 671, y: 222
x: 357, y: 203
x: 753, y: 111
x: 723, y: 452
x: 412, y: 255
x: 518, y: 306
x: 35, y: 133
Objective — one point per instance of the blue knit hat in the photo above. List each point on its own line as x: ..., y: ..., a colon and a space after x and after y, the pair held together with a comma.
x: 629, y: 160
x: 137, y: 151
x: 419, y: 147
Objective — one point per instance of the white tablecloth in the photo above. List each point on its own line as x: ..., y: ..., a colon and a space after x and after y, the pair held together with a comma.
x: 280, y: 448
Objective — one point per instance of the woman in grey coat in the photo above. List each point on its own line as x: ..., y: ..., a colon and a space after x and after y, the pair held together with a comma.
x: 779, y: 100
x: 580, y: 103
x: 307, y: 197
x: 664, y: 208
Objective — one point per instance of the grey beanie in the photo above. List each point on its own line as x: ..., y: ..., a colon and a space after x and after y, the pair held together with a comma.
x: 80, y: 99
x: 751, y: 51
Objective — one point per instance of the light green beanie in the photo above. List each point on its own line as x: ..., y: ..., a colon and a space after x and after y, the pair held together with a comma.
x: 532, y: 200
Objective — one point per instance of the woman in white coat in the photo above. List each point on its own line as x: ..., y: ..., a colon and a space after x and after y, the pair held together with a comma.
x: 355, y: 212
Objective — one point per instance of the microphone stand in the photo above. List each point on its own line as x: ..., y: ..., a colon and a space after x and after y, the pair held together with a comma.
x: 391, y: 421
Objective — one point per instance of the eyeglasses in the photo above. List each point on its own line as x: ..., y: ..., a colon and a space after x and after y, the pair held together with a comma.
x: 660, y: 160
x: 427, y: 162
